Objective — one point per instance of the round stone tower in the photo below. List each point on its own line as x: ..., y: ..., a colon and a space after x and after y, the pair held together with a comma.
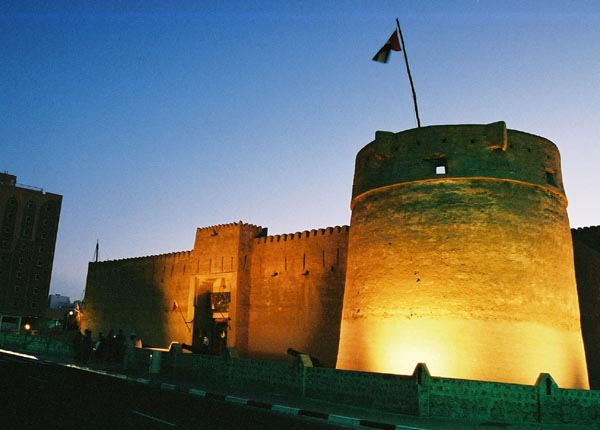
x: 460, y: 257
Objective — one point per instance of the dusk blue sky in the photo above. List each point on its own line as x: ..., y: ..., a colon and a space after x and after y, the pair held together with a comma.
x: 152, y: 118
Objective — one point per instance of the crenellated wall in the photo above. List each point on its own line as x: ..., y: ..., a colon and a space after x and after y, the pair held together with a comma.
x: 297, y: 291
x: 137, y: 295
x: 460, y: 255
x: 298, y: 308
x: 224, y: 252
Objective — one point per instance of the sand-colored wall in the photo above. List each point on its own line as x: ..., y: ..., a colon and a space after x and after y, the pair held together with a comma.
x: 299, y: 308
x: 136, y: 295
x: 224, y: 252
x: 296, y: 296
x: 470, y: 271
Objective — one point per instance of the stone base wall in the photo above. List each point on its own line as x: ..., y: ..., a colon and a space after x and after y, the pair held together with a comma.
x: 419, y: 394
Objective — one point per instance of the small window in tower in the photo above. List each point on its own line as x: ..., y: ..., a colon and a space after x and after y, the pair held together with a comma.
x: 551, y: 178
x: 440, y: 168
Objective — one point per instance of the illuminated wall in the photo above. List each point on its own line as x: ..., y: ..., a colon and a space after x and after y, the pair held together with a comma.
x: 137, y: 295
x: 296, y: 295
x: 460, y: 256
x: 298, y: 308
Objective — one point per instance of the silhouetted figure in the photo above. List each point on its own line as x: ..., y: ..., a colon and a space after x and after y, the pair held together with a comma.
x: 101, y: 348
x: 88, y: 346
x: 110, y: 345
x: 205, y: 348
x: 129, y: 357
x: 119, y: 347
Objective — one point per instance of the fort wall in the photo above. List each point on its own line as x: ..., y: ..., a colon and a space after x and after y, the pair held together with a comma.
x: 460, y: 252
x: 224, y: 252
x: 286, y: 292
x: 297, y: 289
x: 460, y: 255
x: 137, y: 295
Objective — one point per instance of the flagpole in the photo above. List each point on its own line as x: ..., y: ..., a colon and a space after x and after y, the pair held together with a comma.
x: 412, y: 87
x: 186, y: 322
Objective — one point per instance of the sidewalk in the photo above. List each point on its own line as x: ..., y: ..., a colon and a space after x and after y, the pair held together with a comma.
x: 285, y: 403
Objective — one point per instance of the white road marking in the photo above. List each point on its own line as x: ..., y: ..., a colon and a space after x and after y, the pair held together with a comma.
x: 150, y: 417
x: 340, y: 419
x: 197, y: 392
x: 18, y: 354
x: 285, y: 409
x: 238, y: 400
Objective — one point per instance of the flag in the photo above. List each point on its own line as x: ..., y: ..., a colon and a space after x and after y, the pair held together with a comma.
x: 175, y: 305
x: 393, y: 44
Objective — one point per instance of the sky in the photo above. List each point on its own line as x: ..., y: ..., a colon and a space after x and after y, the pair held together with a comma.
x: 153, y: 118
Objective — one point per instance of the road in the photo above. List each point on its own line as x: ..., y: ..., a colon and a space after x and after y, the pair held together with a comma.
x: 39, y: 395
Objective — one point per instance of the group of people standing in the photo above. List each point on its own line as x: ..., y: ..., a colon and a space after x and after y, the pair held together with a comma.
x: 112, y: 348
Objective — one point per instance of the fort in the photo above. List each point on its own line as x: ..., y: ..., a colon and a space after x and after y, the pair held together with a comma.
x: 459, y: 255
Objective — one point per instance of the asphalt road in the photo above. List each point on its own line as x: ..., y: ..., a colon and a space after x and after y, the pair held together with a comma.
x: 38, y: 395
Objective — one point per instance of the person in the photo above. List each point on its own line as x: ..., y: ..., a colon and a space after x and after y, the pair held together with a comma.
x: 205, y: 344
x: 88, y: 346
x: 118, y: 347
x: 110, y: 346
x: 100, y: 348
x: 129, y: 357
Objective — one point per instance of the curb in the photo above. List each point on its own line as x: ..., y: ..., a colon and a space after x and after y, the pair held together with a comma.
x: 283, y: 409
x: 333, y: 418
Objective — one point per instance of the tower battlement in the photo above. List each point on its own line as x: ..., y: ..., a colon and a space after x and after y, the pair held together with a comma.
x: 300, y: 235
x: 211, y: 230
x: 445, y: 152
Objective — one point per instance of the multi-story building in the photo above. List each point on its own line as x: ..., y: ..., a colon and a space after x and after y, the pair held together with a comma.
x: 29, y: 224
x: 56, y: 301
